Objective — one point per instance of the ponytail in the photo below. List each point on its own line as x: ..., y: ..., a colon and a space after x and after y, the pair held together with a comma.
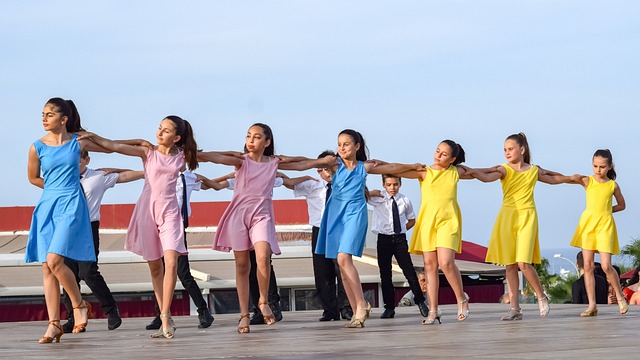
x: 521, y: 139
x: 187, y: 141
x: 456, y: 151
x: 606, y: 154
x: 68, y: 108
x: 362, y: 154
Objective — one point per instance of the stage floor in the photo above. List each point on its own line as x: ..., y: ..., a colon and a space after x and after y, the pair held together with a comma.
x: 562, y: 335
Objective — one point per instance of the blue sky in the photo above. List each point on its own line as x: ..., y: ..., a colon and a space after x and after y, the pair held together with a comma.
x: 406, y: 74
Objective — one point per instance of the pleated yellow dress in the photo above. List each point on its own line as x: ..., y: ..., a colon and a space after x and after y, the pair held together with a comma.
x: 597, y: 230
x: 515, y: 234
x: 439, y: 222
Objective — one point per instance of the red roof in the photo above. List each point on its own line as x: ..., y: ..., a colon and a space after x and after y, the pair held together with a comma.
x: 472, y: 252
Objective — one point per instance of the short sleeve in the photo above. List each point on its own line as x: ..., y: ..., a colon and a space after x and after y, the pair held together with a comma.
x: 231, y: 182
x: 304, y: 188
x: 408, y: 210
x: 110, y: 180
x: 278, y: 182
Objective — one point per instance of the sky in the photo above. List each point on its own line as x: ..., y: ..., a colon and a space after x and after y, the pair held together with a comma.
x: 406, y: 74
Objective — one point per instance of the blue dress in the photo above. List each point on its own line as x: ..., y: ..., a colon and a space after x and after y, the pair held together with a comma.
x: 60, y: 222
x: 344, y: 222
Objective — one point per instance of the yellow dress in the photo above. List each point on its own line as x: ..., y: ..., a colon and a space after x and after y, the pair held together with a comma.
x: 597, y: 229
x: 439, y: 222
x: 515, y: 234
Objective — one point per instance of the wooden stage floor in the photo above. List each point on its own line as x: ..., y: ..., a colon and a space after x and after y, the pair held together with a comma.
x: 562, y: 335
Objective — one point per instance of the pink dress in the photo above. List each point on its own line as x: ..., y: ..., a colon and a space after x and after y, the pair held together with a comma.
x: 156, y: 224
x: 249, y: 217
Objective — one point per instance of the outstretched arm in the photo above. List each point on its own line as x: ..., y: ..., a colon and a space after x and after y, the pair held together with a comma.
x: 231, y: 158
x: 33, y: 168
x: 392, y: 168
x: 290, y: 183
x: 484, y: 174
x: 301, y: 163
x: 92, y: 142
x: 620, y: 203
x: 129, y: 175
x: 215, y: 184
x: 553, y: 178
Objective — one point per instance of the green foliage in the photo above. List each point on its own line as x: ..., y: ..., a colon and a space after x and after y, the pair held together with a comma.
x: 560, y: 291
x: 632, y: 251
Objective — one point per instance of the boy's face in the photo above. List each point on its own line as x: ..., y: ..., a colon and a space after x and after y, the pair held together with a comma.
x: 392, y: 185
x: 83, y: 164
x: 325, y: 174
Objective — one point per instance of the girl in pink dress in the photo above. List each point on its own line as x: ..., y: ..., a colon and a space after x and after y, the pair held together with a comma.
x: 156, y: 228
x: 248, y: 222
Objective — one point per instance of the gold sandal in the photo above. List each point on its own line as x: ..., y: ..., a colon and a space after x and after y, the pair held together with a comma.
x: 48, y: 339
x: 78, y: 328
x: 268, y: 319
x: 244, y: 329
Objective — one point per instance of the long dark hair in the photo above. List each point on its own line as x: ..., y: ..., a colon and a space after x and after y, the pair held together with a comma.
x: 187, y: 140
x: 521, y: 139
x: 67, y: 108
x: 363, y: 152
x: 456, y: 151
x: 606, y: 154
x: 268, y: 134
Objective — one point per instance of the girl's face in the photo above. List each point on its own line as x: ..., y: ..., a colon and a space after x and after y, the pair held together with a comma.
x: 166, y: 134
x: 256, y: 140
x: 600, y: 167
x: 52, y: 118
x: 443, y: 157
x: 347, y: 147
x: 512, y: 151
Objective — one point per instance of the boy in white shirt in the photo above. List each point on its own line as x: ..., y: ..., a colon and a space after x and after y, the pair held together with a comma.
x: 94, y: 184
x: 393, y: 216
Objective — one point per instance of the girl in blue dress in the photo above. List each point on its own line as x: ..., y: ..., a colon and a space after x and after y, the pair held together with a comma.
x: 344, y: 222
x: 60, y: 225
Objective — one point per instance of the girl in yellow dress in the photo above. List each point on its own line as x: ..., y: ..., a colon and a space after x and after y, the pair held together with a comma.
x: 437, y: 235
x: 596, y: 232
x: 514, y: 240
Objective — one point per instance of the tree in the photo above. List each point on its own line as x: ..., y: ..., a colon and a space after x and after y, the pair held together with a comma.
x: 632, y: 251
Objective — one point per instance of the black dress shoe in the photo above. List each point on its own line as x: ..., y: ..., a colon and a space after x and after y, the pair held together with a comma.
x: 256, y: 319
x: 329, y: 317
x: 205, y: 318
x: 67, y: 328
x: 114, y: 321
x: 155, y: 324
x: 424, y: 309
x: 388, y: 314
x: 275, y: 309
x: 346, y: 314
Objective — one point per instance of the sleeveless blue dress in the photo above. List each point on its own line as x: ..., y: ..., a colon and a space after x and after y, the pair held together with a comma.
x: 60, y: 222
x: 344, y: 222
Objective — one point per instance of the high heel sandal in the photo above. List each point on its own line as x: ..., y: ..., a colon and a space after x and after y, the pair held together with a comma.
x: 78, y: 328
x: 167, y: 333
x: 244, y: 329
x: 624, y: 306
x: 512, y: 314
x: 463, y: 315
x: 432, y: 321
x: 268, y: 319
x: 589, y: 313
x: 48, y: 339
x: 358, y: 321
x: 543, y: 305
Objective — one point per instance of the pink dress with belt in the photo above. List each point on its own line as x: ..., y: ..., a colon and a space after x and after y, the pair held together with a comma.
x: 249, y: 216
x: 156, y: 224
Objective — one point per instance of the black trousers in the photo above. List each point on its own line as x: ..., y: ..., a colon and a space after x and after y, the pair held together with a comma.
x: 89, y: 272
x: 388, y: 247
x: 254, y: 289
x: 325, y: 272
x: 188, y: 282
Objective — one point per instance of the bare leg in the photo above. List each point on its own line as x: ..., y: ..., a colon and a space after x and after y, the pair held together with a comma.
x: 263, y: 273
x: 351, y: 280
x: 156, y: 269
x: 433, y: 280
x: 513, y: 283
x: 67, y: 279
x: 614, y: 280
x: 243, y: 265
x: 52, y: 298
x: 589, y: 278
x: 531, y: 275
x: 446, y: 260
x: 168, y: 285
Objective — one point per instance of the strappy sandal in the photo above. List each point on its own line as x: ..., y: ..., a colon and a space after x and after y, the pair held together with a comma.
x: 243, y: 329
x: 48, y: 339
x: 463, y: 315
x: 78, y: 328
x: 268, y: 319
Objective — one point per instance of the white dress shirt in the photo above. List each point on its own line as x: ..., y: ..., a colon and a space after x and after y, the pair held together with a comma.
x: 190, y: 180
x: 95, y: 184
x: 382, y: 219
x: 315, y: 192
